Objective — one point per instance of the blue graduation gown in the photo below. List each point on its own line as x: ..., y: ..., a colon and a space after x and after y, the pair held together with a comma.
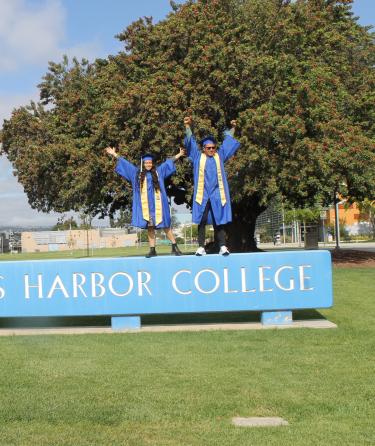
x: 221, y: 214
x: 131, y: 173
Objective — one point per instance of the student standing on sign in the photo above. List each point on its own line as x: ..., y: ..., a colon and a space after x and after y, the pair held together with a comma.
x: 211, y: 199
x: 150, y: 202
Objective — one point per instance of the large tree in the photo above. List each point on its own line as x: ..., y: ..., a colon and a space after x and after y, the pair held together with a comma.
x: 298, y: 77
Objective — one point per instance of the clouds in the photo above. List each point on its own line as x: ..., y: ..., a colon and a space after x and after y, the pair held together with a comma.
x: 6, y: 177
x: 29, y: 35
x: 10, y: 101
x: 14, y: 208
x: 33, y: 35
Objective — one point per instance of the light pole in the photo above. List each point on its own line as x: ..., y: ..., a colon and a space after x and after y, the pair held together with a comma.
x: 323, y: 216
x: 337, y: 225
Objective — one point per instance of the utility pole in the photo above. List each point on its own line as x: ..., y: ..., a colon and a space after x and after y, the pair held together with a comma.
x: 337, y: 224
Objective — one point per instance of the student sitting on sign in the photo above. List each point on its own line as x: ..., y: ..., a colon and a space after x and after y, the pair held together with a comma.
x: 150, y: 202
x: 211, y: 199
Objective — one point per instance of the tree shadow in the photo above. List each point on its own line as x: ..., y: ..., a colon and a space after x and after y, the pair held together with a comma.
x: 149, y: 320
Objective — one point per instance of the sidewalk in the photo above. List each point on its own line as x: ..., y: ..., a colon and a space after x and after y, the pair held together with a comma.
x: 360, y: 246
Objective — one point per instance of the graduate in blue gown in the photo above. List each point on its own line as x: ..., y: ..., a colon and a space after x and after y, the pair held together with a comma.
x: 150, y: 203
x: 211, y: 198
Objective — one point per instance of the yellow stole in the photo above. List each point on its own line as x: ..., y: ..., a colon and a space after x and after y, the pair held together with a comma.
x: 200, y: 188
x: 144, y: 202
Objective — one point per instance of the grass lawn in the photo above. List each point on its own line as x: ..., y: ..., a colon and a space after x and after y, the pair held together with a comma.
x: 100, y: 252
x: 183, y: 388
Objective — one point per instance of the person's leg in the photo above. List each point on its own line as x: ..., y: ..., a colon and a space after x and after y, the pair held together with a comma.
x: 151, y: 236
x: 220, y: 236
x: 151, y: 241
x: 202, y: 230
x: 171, y: 238
x: 201, y: 233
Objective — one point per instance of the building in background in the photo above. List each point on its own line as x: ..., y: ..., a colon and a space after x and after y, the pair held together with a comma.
x: 4, y: 242
x: 44, y: 241
x: 14, y: 241
x: 350, y: 218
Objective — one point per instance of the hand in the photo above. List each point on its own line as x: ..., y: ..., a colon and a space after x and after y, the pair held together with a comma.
x: 181, y: 153
x: 233, y: 123
x: 111, y: 151
x: 188, y: 121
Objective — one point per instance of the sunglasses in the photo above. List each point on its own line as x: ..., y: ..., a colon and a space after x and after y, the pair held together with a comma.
x: 210, y: 147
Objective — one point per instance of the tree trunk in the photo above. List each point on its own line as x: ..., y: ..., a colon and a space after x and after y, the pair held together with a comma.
x: 240, y: 232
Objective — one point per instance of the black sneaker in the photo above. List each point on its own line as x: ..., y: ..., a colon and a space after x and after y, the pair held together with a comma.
x: 151, y: 253
x: 176, y: 250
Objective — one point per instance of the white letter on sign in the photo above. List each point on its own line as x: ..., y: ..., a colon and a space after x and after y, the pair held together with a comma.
x: 2, y: 291
x: 142, y: 284
x: 277, y: 280
x: 28, y: 286
x: 262, y: 279
x: 226, y: 283
x: 243, y: 282
x: 57, y: 285
x: 78, y: 285
x: 302, y: 278
x: 217, y: 281
x: 95, y: 285
x: 110, y: 284
x: 174, y: 284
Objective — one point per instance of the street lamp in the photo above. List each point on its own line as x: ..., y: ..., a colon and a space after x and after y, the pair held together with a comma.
x: 337, y: 225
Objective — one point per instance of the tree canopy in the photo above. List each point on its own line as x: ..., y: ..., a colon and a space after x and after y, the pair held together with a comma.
x: 297, y: 76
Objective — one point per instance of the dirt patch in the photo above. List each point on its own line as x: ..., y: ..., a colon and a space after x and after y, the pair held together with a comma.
x: 352, y: 258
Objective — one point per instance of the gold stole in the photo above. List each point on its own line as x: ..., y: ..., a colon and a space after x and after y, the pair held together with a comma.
x: 144, y: 202
x: 200, y: 188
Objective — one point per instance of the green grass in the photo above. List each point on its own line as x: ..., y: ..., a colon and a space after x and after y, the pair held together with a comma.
x: 100, y: 252
x: 183, y: 388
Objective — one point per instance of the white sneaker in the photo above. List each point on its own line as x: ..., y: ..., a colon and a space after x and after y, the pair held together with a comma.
x: 224, y: 251
x: 200, y: 251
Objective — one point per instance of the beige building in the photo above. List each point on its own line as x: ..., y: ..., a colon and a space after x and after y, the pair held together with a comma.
x: 45, y: 241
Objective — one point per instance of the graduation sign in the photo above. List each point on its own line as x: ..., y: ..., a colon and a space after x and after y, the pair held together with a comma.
x: 135, y: 286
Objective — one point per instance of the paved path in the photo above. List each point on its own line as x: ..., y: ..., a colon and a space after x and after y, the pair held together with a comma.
x: 312, y: 323
x: 360, y: 246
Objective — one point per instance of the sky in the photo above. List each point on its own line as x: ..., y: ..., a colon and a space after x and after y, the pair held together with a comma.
x: 33, y: 32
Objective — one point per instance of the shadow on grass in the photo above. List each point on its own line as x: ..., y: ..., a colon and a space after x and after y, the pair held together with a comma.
x: 155, y: 319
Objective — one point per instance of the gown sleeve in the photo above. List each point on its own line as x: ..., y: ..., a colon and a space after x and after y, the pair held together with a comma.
x: 191, y: 145
x: 167, y: 168
x: 125, y: 169
x: 229, y: 146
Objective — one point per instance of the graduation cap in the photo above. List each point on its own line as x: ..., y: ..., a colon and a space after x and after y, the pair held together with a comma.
x: 207, y: 140
x: 146, y: 157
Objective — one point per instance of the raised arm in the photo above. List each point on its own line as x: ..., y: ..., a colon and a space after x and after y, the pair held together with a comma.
x: 181, y: 153
x: 190, y: 143
x: 231, y: 131
x: 123, y: 166
x: 230, y: 144
x: 168, y: 168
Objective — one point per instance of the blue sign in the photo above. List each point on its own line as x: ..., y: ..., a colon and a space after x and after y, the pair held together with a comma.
x: 137, y: 286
